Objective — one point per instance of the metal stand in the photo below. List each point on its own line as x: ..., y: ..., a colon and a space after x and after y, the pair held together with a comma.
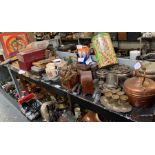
x: 79, y: 39
x: 140, y: 44
x: 15, y: 81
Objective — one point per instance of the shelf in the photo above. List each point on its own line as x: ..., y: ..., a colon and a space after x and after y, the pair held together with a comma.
x: 90, y: 39
x: 84, y: 102
x: 87, y: 102
x: 130, y: 41
x: 98, y: 108
x: 146, y: 39
x: 44, y: 84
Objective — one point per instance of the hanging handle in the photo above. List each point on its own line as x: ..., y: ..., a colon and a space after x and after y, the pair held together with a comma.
x: 144, y: 77
x: 136, y: 73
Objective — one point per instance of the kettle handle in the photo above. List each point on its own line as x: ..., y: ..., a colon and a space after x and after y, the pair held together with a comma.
x: 136, y: 73
x: 144, y: 77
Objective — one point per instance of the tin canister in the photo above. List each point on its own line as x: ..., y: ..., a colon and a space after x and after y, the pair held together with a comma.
x: 104, y: 50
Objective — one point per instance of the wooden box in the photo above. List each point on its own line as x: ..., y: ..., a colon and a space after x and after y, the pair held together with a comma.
x: 87, y: 82
x: 27, y: 57
x: 70, y: 82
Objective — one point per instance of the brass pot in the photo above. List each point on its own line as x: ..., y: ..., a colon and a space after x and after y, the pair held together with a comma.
x: 140, y: 90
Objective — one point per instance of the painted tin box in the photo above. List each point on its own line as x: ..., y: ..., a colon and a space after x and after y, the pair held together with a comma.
x: 104, y: 51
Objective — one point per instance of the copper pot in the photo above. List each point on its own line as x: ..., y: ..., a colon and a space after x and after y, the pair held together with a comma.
x: 140, y: 90
x: 91, y: 117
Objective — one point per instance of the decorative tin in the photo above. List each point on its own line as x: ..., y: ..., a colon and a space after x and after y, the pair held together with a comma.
x: 104, y: 50
x: 13, y: 43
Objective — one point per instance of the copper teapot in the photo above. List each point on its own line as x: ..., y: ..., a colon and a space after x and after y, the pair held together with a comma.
x: 140, y: 90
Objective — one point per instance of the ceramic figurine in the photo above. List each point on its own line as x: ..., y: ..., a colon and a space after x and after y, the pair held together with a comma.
x: 45, y: 111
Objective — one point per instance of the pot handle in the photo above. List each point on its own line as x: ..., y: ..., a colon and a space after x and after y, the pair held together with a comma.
x: 144, y: 77
x: 136, y: 73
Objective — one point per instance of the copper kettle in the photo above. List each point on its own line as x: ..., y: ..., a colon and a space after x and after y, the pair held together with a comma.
x: 140, y: 90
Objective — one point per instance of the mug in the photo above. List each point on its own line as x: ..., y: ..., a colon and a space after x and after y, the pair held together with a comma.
x: 51, y: 71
